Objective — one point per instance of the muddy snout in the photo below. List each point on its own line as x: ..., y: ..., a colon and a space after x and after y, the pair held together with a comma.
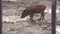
x: 21, y: 17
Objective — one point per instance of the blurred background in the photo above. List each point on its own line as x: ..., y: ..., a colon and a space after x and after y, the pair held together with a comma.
x: 13, y: 24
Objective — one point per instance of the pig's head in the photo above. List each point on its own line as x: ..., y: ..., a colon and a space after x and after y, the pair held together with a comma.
x: 24, y: 14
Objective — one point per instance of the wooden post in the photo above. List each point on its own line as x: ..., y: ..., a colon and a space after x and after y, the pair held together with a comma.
x: 53, y: 16
x: 59, y: 10
x: 0, y: 17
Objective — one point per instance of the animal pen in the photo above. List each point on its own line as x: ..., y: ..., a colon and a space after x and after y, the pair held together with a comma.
x: 12, y: 10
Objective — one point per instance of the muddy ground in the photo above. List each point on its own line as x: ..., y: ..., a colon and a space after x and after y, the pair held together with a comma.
x: 13, y: 24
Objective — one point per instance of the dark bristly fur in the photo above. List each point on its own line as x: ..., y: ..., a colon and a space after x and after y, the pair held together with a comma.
x: 33, y: 10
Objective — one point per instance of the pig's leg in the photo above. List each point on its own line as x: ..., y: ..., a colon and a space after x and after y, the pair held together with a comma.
x: 43, y: 16
x: 31, y: 17
x: 40, y: 17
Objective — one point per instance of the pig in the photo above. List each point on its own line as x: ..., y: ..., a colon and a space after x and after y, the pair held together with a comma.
x: 34, y: 9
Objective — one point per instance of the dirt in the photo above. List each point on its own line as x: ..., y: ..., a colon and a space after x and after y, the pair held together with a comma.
x: 13, y: 24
